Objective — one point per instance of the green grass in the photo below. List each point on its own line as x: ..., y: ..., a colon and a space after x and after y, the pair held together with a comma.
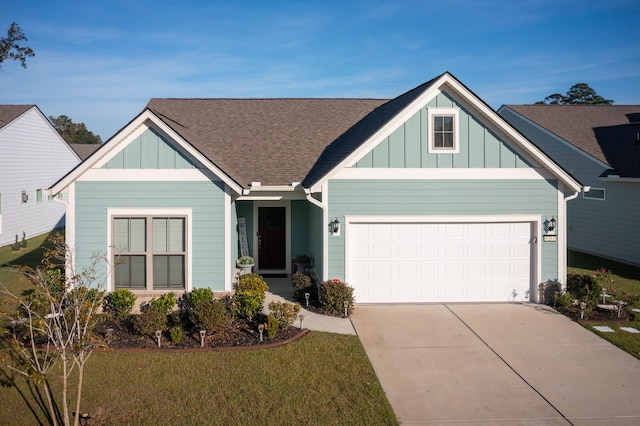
x: 322, y: 379
x: 30, y: 256
x: 626, y: 281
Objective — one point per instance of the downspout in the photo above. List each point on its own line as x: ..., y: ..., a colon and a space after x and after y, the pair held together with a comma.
x: 325, y: 224
x: 563, y: 272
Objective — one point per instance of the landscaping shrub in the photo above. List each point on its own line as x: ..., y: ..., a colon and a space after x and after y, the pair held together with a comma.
x: 584, y: 287
x: 301, y: 285
x: 249, y: 297
x: 333, y: 294
x: 175, y: 334
x: 199, y: 295
x: 151, y: 318
x: 166, y: 302
x: 285, y: 312
x: 210, y: 315
x: 272, y: 326
x: 119, y: 303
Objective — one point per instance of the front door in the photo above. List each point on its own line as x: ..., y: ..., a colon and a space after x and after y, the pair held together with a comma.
x: 272, y: 238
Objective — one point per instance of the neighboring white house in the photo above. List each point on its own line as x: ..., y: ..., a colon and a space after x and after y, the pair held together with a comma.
x: 600, y: 146
x: 32, y: 157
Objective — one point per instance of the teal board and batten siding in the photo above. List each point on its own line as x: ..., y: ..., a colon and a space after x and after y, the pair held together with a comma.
x: 206, y: 199
x: 442, y: 198
x: 149, y: 151
x: 406, y: 147
x: 608, y: 228
x: 300, y: 227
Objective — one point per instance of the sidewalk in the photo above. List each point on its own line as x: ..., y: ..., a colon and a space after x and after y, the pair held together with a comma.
x: 280, y: 289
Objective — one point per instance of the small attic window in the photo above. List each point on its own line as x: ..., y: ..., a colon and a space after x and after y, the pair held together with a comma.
x: 443, y: 131
x: 595, y: 194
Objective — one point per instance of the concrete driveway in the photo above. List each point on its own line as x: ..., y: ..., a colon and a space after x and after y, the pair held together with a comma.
x: 487, y: 364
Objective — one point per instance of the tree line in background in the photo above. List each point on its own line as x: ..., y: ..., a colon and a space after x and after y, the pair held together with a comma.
x: 580, y: 94
x: 73, y: 132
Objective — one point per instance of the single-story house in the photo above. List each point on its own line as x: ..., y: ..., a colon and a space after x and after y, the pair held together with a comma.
x: 600, y: 146
x: 32, y: 157
x: 428, y: 197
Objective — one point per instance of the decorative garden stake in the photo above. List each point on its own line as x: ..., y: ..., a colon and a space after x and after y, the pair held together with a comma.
x: 346, y: 305
x: 620, y: 305
x: 260, y: 330
x: 306, y: 296
x: 301, y: 319
x: 583, y: 305
x: 202, y: 334
x: 158, y: 335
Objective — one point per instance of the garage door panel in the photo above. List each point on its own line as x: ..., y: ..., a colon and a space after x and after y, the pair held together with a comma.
x: 439, y: 262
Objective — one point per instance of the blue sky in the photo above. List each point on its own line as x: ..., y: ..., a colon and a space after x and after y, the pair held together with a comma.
x: 100, y: 62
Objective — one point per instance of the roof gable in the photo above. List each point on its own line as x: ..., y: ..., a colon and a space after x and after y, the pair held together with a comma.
x: 605, y: 132
x: 9, y: 113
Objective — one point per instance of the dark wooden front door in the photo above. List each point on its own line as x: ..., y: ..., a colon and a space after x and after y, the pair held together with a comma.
x: 271, y: 238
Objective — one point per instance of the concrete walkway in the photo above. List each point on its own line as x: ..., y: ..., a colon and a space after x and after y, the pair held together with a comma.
x: 505, y: 364
x: 281, y: 289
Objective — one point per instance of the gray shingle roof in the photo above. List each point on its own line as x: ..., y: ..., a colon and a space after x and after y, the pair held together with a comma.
x: 84, y: 150
x: 8, y: 113
x: 606, y: 132
x: 272, y: 141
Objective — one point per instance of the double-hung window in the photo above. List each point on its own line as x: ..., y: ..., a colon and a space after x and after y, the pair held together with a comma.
x: 149, y: 252
x: 443, y: 130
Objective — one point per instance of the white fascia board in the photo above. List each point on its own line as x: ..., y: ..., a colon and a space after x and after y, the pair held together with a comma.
x: 449, y: 174
x: 508, y: 218
x: 557, y: 138
x: 512, y: 134
x: 382, y: 133
x: 142, y: 122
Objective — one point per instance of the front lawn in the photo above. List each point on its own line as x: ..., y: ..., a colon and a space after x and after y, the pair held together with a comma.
x: 321, y: 379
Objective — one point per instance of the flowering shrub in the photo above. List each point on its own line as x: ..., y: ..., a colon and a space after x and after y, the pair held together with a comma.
x: 333, y: 295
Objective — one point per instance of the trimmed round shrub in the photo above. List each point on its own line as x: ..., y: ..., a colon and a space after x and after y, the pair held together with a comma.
x: 252, y: 283
x: 301, y: 285
x: 211, y: 315
x: 584, y: 287
x: 285, y: 312
x: 166, y: 302
x: 199, y: 295
x: 249, y: 297
x: 119, y: 303
x: 333, y: 294
x: 151, y: 318
x: 175, y: 334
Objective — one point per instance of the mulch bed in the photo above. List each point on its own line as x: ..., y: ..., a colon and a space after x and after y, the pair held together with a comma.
x: 594, y: 315
x: 242, y: 334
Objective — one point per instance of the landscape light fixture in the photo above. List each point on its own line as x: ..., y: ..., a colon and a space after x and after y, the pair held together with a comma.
x: 306, y: 296
x: 301, y: 319
x: 260, y: 330
x: 346, y: 305
x: 158, y: 336
x: 202, y: 334
x: 583, y: 305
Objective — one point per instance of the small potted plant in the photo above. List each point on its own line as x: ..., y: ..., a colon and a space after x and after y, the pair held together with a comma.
x: 302, y: 263
x: 245, y: 263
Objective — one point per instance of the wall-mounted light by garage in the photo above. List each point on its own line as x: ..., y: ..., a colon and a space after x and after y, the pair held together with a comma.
x: 334, y: 227
x: 550, y: 226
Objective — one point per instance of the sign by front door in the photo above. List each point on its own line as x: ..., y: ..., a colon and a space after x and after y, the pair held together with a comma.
x: 242, y: 231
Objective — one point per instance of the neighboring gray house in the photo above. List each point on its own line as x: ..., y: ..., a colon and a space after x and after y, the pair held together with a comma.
x: 32, y: 157
x: 84, y: 150
x: 428, y: 197
x: 600, y: 146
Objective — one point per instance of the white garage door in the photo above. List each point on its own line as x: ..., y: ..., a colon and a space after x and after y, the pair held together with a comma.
x: 439, y: 262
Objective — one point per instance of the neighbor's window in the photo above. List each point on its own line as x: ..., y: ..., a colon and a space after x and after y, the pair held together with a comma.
x: 149, y: 252
x: 595, y: 194
x: 443, y: 130
x: 38, y: 195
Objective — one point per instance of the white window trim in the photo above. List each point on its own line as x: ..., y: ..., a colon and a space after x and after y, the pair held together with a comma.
x: 154, y: 212
x: 604, y: 194
x: 432, y: 112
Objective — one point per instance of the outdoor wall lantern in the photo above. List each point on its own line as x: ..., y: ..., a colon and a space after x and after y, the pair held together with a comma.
x: 549, y: 226
x: 335, y: 227
x: 202, y: 334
